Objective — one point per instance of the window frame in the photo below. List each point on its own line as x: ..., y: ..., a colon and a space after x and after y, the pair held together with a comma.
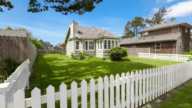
x: 156, y: 46
x: 76, y: 45
x: 101, y: 44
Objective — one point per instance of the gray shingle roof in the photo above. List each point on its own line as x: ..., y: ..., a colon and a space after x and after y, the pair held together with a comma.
x: 13, y: 33
x: 136, y: 40
x: 93, y: 33
x: 165, y: 24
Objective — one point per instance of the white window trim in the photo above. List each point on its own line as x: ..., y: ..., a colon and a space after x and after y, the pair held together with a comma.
x: 88, y: 45
x: 155, y: 46
x: 76, y: 44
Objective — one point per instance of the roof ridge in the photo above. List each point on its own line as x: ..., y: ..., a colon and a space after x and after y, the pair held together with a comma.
x: 93, y: 28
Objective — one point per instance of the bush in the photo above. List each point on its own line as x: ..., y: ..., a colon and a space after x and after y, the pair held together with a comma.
x: 88, y: 55
x: 52, y: 49
x: 93, y: 59
x: 72, y: 56
x: 9, y: 66
x: 61, y: 52
x: 189, y: 52
x: 116, y: 53
x: 36, y: 43
x: 190, y: 59
x: 81, y: 55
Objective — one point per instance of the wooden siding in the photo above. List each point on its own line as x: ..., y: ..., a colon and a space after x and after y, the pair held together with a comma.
x: 70, y: 47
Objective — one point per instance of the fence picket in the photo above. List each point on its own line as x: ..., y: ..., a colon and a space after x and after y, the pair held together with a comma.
x: 144, y: 87
x: 156, y: 83
x: 117, y: 91
x: 128, y: 90
x: 83, y: 94
x: 153, y: 87
x: 92, y: 92
x: 140, y: 87
x: 50, y: 96
x: 150, y: 84
x: 100, y: 92
x: 36, y: 98
x: 111, y: 91
x: 123, y: 90
x: 132, y: 89
x: 63, y: 95
x: 106, y: 92
x: 74, y: 99
x: 147, y: 87
x: 19, y: 99
x: 136, y: 89
x: 2, y: 101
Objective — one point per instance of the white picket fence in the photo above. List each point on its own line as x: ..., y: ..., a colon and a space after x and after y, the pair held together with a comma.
x: 140, y: 88
x: 18, y: 80
x: 171, y: 57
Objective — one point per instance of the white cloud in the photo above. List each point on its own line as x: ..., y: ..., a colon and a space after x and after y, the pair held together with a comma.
x: 181, y: 9
x: 168, y: 1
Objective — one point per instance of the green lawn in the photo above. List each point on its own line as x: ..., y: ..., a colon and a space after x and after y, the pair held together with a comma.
x: 54, y: 69
x: 181, y: 99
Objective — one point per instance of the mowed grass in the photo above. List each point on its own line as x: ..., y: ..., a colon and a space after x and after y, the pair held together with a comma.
x: 181, y: 99
x: 54, y: 69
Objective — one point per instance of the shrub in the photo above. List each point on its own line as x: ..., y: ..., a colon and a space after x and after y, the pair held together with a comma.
x: 9, y: 66
x: 60, y: 52
x: 189, y: 52
x: 190, y: 59
x: 36, y: 43
x: 72, y: 56
x: 116, y: 53
x: 93, y: 59
x: 88, y: 55
x: 52, y: 49
x: 81, y: 55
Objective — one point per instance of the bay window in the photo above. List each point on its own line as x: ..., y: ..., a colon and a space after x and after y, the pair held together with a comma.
x: 105, y: 44
x: 100, y: 44
x: 112, y: 43
x: 109, y: 44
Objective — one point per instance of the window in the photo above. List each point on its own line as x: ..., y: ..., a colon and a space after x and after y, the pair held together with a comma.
x: 105, y: 44
x: 180, y: 45
x: 109, y: 44
x: 112, y: 43
x: 100, y: 44
x: 91, y: 45
x: 77, y: 45
x: 86, y: 44
x: 158, y: 46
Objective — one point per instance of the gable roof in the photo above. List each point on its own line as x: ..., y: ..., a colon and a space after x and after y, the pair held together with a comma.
x: 165, y: 25
x: 137, y: 40
x: 93, y: 33
x: 13, y: 33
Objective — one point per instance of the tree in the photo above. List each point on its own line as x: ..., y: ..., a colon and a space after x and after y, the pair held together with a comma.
x: 5, y: 4
x: 158, y: 17
x: 133, y: 27
x: 63, y: 6
x: 36, y: 43
x: 29, y: 35
x: 8, y: 28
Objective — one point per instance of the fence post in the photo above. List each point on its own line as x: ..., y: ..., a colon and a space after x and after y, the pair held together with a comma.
x: 2, y: 101
x: 177, y: 57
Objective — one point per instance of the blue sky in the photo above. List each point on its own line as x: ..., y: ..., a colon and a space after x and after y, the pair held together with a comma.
x: 111, y: 15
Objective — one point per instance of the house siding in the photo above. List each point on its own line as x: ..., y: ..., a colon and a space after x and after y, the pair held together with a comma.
x: 185, y: 39
x: 166, y: 47
x: 70, y: 47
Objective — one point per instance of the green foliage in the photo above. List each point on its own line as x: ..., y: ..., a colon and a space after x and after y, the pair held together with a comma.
x: 158, y: 17
x: 52, y: 49
x: 5, y: 4
x: 72, y: 56
x: 190, y: 59
x: 117, y: 53
x: 9, y: 66
x: 189, y: 52
x: 36, y: 43
x: 8, y: 28
x: 92, y: 59
x: 61, y: 52
x: 81, y: 55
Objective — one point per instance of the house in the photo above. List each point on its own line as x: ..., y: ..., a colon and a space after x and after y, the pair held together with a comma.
x: 46, y: 45
x: 93, y: 41
x: 57, y: 48
x: 167, y: 37
x: 61, y: 45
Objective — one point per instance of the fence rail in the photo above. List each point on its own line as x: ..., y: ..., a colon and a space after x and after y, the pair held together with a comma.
x: 18, y: 80
x: 171, y: 57
x: 140, y: 87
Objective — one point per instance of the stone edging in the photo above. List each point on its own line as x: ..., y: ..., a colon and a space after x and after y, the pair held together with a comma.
x: 166, y: 96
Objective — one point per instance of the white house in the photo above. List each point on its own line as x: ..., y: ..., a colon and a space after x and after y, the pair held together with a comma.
x: 93, y: 41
